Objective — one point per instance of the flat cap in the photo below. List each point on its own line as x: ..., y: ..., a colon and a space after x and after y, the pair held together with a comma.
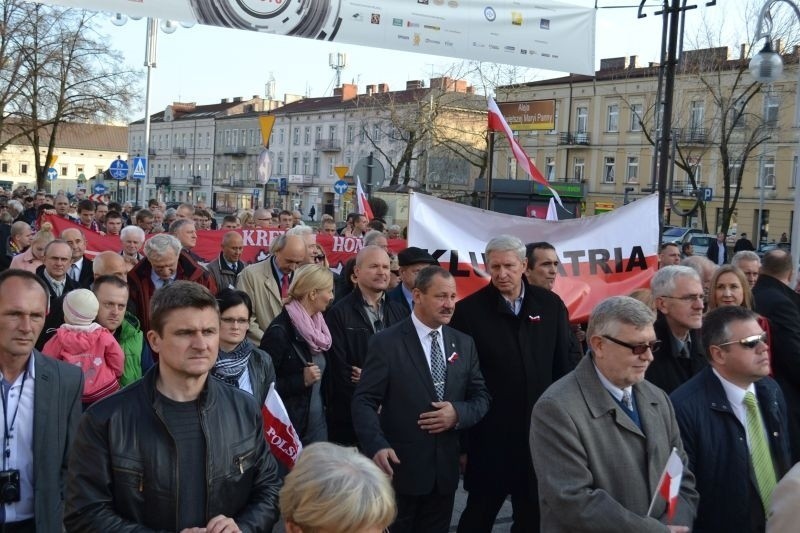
x: 414, y: 256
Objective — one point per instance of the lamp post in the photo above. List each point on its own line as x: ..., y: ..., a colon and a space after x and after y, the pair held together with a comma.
x: 766, y: 67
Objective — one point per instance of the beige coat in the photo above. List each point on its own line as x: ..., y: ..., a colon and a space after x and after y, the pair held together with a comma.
x: 785, y: 503
x: 260, y: 284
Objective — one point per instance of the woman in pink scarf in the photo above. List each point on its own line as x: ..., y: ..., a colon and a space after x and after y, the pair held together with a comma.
x: 297, y: 340
x: 31, y: 258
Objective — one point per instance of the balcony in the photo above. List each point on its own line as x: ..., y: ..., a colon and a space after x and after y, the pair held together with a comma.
x: 328, y: 145
x: 236, y: 151
x: 195, y: 181
x: 180, y: 151
x: 579, y: 139
x: 691, y: 135
x: 151, y: 151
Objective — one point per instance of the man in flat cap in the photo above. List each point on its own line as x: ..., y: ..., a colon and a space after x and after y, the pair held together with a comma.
x: 411, y: 261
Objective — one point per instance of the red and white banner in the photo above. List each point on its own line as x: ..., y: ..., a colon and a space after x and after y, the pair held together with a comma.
x: 670, y: 484
x: 601, y: 256
x: 338, y: 249
x: 278, y: 430
x: 363, y: 202
x: 545, y: 34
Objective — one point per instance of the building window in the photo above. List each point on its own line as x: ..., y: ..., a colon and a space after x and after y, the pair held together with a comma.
x: 281, y: 137
x: 295, y: 164
x: 767, y: 178
x: 23, y: 168
x: 578, y: 169
x: 581, y: 119
x: 331, y: 170
x: 550, y: 168
x: 637, y: 117
x: 794, y: 172
x: 771, y: 111
x: 351, y: 132
x: 608, y: 169
x: 315, y: 167
x: 4, y: 166
x: 734, y: 168
x: 307, y: 135
x: 737, y: 115
x: 280, y: 164
x: 376, y: 132
x: 612, y: 122
x: 208, y: 140
x: 296, y: 136
x: 305, y: 165
x: 511, y: 166
x: 331, y: 132
x: 64, y: 170
x: 632, y: 173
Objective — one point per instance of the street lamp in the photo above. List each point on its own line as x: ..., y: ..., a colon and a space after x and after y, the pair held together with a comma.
x: 766, y: 67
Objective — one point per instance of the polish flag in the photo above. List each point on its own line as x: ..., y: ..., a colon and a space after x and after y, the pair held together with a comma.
x: 552, y: 212
x: 497, y: 122
x: 363, y: 204
x: 670, y: 483
x: 278, y: 430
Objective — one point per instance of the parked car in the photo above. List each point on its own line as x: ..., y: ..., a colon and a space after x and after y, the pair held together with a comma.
x: 769, y: 246
x: 700, y: 242
x: 679, y: 235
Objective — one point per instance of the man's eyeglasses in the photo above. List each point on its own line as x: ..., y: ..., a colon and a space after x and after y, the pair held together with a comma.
x: 231, y: 321
x: 318, y: 258
x: 748, y: 342
x: 637, y: 349
x: 689, y: 298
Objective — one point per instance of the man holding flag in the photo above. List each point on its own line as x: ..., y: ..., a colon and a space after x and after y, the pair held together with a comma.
x: 175, y: 450
x: 602, y: 438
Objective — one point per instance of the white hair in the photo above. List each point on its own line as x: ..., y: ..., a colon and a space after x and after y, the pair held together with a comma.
x: 132, y: 231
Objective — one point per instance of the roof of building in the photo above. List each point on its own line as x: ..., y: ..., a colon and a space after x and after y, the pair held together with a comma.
x: 192, y: 111
x: 103, y: 137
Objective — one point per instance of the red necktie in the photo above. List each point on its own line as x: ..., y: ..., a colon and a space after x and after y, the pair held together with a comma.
x: 285, y: 285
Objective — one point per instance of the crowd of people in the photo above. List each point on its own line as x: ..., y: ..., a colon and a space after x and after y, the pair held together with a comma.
x: 133, y: 382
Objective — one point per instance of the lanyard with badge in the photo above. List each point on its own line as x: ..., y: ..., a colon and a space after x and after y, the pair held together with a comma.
x: 9, y: 479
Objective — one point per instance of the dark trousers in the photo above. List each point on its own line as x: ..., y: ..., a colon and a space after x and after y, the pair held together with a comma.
x: 25, y: 526
x: 482, y: 508
x: 430, y: 513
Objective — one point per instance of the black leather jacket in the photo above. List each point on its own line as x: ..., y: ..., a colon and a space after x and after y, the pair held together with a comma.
x: 122, y: 470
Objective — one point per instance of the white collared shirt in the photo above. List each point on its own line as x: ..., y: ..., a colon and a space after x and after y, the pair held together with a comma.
x: 158, y: 282
x: 21, y: 443
x: 424, y: 332
x: 78, y: 265
x: 615, y: 391
x: 735, y: 395
x: 407, y: 295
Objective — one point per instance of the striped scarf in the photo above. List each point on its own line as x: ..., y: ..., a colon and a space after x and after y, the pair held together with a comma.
x: 230, y: 365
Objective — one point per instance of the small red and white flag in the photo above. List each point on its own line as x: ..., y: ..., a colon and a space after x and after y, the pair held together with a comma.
x: 552, y: 211
x: 278, y: 430
x: 670, y: 484
x: 363, y: 203
x: 497, y: 122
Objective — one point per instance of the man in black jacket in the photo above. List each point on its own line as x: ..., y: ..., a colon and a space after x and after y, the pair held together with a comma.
x: 352, y: 321
x: 780, y: 305
x: 176, y: 449
x: 523, y: 339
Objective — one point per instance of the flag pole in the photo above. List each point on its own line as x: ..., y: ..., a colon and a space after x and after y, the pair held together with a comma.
x: 489, y: 165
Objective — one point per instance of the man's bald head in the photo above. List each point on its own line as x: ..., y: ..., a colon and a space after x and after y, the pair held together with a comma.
x: 110, y: 264
x: 290, y: 252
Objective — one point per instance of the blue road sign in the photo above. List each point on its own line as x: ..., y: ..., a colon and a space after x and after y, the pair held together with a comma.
x: 99, y: 188
x: 118, y: 169
x: 139, y: 168
x: 340, y: 187
x: 283, y: 187
x: 52, y: 174
x: 707, y: 193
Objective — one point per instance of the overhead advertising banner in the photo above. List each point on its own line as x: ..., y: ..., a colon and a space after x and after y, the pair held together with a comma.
x: 601, y: 256
x: 530, y: 115
x: 545, y: 34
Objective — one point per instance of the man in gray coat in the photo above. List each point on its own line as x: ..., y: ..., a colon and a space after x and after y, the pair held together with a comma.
x: 601, y: 435
x: 41, y: 407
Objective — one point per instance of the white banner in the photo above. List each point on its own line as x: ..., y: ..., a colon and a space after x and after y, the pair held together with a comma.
x: 604, y: 255
x: 546, y: 34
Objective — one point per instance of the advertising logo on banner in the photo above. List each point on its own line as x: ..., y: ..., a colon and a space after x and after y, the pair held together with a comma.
x: 546, y: 34
x: 601, y: 256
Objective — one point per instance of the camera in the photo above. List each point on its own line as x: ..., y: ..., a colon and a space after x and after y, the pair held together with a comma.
x: 9, y: 486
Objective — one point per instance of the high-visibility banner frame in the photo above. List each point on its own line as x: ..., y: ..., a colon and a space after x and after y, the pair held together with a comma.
x: 545, y: 34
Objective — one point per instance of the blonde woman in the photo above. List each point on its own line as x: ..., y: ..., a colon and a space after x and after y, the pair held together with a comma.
x: 32, y: 258
x: 729, y: 287
x: 333, y: 489
x: 297, y: 340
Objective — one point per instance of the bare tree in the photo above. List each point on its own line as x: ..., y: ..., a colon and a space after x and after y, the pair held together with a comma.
x: 66, y: 73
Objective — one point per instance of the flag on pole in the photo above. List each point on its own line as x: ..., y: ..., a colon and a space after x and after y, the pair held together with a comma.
x: 552, y: 212
x: 670, y: 484
x: 497, y: 122
x: 363, y: 203
x: 278, y: 430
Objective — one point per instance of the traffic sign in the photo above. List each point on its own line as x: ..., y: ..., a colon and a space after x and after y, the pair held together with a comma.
x: 99, y: 188
x: 52, y: 174
x: 118, y: 169
x: 139, y: 168
x: 341, y: 171
x: 707, y: 194
x: 283, y: 187
x: 340, y: 187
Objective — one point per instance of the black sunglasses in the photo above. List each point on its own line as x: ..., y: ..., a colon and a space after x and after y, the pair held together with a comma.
x: 748, y: 342
x: 637, y: 349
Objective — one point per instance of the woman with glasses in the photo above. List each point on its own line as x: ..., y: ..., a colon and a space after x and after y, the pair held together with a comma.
x: 317, y: 253
x: 239, y: 363
x: 297, y: 340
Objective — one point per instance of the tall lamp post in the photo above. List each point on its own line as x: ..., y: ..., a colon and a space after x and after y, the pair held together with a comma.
x: 767, y: 67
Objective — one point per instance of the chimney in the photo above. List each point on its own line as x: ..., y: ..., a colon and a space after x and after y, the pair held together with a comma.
x: 347, y: 91
x: 632, y: 62
x: 460, y: 86
x: 371, y: 89
x: 778, y: 46
x: 223, y: 101
x: 383, y: 87
x: 414, y: 84
x: 470, y: 89
x: 255, y: 96
x: 237, y: 99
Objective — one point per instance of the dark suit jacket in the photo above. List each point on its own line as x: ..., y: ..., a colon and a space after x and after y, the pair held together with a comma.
x: 55, y: 316
x: 520, y: 356
x: 396, y: 295
x: 597, y: 470
x: 668, y: 371
x: 714, y: 251
x: 56, y: 411
x: 86, y: 277
x: 397, y: 379
x: 716, y: 444
x: 781, y: 306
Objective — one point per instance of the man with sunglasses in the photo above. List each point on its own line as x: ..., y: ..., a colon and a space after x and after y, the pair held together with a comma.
x: 733, y: 423
x: 601, y: 435
x: 679, y: 299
